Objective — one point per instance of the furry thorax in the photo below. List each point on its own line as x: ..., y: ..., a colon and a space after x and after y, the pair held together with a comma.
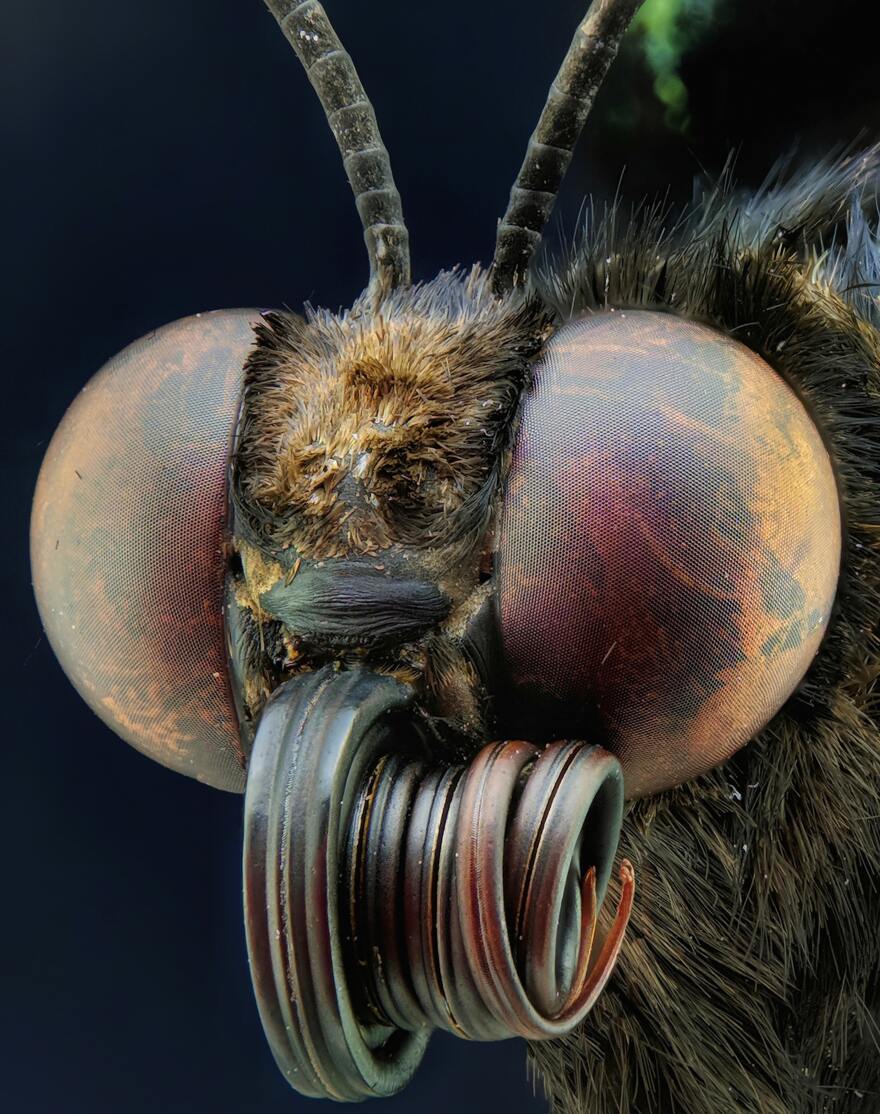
x: 750, y: 980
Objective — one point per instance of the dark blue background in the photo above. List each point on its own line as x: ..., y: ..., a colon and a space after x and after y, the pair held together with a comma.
x: 166, y: 157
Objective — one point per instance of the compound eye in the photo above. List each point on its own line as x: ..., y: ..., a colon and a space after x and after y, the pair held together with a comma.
x: 127, y: 541
x: 670, y: 543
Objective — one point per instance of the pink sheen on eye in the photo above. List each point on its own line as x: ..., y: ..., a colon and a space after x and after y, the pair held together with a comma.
x: 670, y: 541
x: 127, y: 543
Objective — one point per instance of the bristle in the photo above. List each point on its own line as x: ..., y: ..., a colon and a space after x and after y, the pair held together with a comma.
x: 367, y: 429
x: 751, y: 979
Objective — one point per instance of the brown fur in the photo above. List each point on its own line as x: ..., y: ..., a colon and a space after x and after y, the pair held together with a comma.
x: 380, y: 427
x: 379, y: 434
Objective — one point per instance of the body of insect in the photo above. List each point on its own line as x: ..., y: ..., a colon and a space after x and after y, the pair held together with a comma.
x: 625, y: 509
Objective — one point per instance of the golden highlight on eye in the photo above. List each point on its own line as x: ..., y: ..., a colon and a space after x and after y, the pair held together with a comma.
x: 670, y: 541
x: 128, y: 543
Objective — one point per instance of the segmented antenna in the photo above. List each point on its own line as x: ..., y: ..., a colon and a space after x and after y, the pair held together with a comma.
x: 569, y: 101
x: 353, y: 122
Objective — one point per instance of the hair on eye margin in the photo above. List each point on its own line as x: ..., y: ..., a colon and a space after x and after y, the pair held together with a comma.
x: 775, y: 855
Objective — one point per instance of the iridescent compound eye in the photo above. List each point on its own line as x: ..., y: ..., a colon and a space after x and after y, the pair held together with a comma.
x: 127, y: 542
x: 670, y: 544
